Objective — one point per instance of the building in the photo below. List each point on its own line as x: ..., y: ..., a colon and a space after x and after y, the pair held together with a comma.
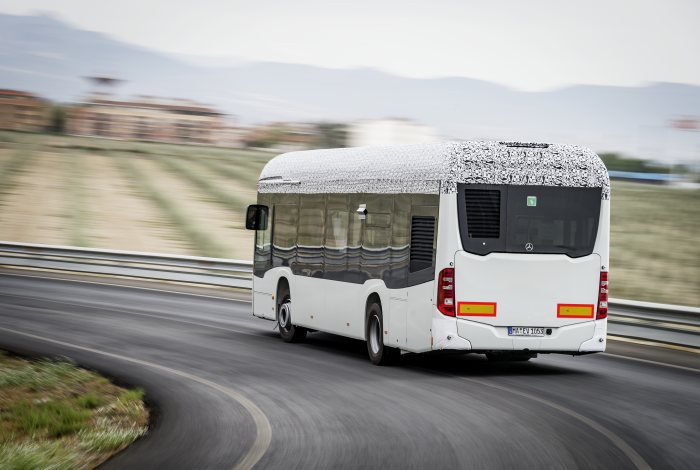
x: 283, y: 136
x: 23, y: 111
x: 378, y: 132
x: 147, y: 118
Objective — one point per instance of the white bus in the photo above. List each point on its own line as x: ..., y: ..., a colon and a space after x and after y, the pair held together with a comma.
x: 498, y: 248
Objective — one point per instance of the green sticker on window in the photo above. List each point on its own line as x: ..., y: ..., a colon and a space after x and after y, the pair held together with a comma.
x: 531, y: 201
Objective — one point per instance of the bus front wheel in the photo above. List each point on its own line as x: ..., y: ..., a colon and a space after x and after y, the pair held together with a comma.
x: 288, y: 332
x: 378, y: 353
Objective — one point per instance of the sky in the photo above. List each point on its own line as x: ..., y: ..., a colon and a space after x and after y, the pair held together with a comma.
x: 528, y: 45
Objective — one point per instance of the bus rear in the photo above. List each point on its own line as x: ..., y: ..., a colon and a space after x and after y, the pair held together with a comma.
x: 527, y: 269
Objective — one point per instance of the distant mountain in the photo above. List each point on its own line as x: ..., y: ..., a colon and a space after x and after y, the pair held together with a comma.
x: 49, y: 57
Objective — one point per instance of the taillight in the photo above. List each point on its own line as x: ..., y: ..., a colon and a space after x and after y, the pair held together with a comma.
x: 603, y: 296
x: 446, y: 292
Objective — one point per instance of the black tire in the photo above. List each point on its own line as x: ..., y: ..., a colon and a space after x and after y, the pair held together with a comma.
x: 506, y: 356
x: 374, y: 332
x: 288, y: 331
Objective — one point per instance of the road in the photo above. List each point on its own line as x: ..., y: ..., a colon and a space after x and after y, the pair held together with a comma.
x: 226, y: 391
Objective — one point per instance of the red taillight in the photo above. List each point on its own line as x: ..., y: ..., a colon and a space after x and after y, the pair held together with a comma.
x: 602, y: 296
x: 446, y: 292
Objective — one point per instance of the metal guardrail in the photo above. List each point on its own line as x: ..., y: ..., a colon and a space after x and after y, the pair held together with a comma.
x: 185, y: 269
x: 672, y: 324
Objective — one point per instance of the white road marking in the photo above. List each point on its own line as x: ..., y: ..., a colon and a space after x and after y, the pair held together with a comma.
x: 263, y: 435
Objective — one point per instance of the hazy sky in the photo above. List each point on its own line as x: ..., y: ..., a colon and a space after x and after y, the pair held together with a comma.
x: 527, y: 44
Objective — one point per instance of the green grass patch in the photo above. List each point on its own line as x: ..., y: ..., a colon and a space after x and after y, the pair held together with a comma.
x: 50, y: 418
x: 41, y: 375
x: 91, y: 400
x: 37, y: 456
x: 54, y: 415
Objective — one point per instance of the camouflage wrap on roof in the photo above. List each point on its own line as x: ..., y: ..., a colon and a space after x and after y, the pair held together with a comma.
x: 433, y: 168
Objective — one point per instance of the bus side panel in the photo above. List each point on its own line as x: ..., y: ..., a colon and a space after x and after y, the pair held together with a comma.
x: 602, y: 243
x: 395, y: 333
x: 307, y: 301
x: 264, y: 290
x: 421, y: 305
x: 331, y: 306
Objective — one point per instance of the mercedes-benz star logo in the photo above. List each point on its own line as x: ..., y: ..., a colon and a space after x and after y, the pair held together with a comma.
x: 529, y: 246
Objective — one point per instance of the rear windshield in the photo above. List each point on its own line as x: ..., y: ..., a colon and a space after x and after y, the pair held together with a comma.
x: 528, y: 219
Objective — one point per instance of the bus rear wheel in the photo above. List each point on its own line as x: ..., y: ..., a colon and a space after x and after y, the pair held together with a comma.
x: 378, y: 353
x: 288, y: 331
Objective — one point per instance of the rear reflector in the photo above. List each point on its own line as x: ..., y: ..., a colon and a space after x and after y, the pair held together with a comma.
x: 603, y: 296
x: 476, y: 309
x: 446, y: 292
x: 574, y: 310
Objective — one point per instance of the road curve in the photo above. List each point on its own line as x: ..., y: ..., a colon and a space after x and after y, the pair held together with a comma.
x: 228, y: 393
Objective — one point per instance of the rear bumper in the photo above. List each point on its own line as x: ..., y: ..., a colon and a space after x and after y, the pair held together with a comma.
x: 589, y: 336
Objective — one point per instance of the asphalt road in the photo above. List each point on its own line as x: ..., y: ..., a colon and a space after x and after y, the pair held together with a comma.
x: 227, y: 392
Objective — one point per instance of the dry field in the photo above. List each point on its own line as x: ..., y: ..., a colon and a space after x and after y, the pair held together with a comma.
x: 126, y: 195
x: 190, y: 200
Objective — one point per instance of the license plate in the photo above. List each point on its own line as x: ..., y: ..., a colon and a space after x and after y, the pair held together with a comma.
x: 525, y: 331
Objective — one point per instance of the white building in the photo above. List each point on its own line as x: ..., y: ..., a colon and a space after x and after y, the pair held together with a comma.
x: 379, y: 132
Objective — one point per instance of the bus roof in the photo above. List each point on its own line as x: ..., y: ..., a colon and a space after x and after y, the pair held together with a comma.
x: 433, y: 168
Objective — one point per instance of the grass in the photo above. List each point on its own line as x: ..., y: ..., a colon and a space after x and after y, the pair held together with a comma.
x: 52, y: 418
x: 54, y: 415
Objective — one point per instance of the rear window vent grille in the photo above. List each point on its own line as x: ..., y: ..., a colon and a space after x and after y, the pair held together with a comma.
x: 483, y: 213
x: 422, y: 236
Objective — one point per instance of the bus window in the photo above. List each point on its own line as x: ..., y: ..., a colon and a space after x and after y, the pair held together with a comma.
x: 376, y: 238
x: 528, y: 219
x: 336, y: 244
x: 552, y: 220
x: 262, y: 259
x: 355, y: 224
x: 400, y: 233
x: 284, y: 237
x: 312, y: 209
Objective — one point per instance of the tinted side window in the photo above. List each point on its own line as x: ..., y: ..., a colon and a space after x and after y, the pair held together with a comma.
x: 284, y: 236
x: 262, y: 259
x: 400, y: 240
x: 376, y: 237
x: 354, y: 271
x: 312, y: 211
x: 336, y: 245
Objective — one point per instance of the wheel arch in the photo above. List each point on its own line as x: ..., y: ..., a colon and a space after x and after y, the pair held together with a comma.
x: 372, y: 298
x: 282, y: 287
